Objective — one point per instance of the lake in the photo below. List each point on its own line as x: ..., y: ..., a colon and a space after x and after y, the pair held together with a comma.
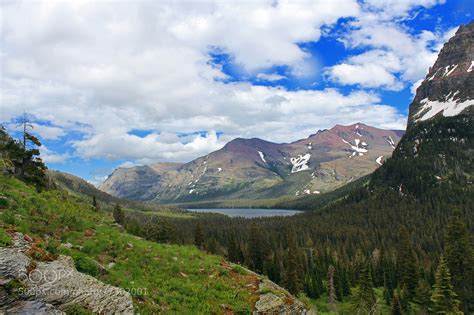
x: 249, y: 212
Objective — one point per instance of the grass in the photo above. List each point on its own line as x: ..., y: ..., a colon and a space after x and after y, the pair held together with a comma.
x: 5, y: 239
x: 161, y: 277
x: 346, y: 306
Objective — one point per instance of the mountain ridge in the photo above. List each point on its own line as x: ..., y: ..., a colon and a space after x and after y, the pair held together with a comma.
x: 255, y: 168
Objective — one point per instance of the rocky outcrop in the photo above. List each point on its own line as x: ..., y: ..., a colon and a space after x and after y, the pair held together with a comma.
x: 272, y: 299
x: 50, y: 287
x: 276, y: 300
x: 448, y: 88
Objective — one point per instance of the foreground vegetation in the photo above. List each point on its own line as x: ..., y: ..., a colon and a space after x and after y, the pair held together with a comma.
x: 161, y: 277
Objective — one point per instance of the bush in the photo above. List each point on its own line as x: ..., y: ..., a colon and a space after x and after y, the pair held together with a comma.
x: 86, y: 265
x: 5, y: 239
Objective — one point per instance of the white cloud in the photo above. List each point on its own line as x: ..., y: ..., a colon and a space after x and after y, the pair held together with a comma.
x: 106, y: 68
x: 148, y: 149
x: 97, y: 180
x: 373, y: 68
x: 49, y: 156
x: 48, y: 132
x: 395, y: 56
x: 270, y: 77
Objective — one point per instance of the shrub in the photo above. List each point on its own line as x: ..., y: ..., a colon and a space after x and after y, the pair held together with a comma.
x: 86, y: 265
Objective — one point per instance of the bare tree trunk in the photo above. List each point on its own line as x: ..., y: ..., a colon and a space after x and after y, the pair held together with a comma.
x: 331, y: 290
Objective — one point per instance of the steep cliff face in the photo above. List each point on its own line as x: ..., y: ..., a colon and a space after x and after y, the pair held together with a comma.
x: 438, y: 148
x: 448, y: 89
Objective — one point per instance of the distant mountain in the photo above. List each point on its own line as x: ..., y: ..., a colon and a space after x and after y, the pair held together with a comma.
x: 86, y: 191
x: 254, y: 168
x: 435, y: 157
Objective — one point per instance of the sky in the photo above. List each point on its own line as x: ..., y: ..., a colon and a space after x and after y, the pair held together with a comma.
x: 112, y: 84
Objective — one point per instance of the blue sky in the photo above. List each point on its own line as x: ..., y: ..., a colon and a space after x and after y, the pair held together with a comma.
x: 126, y: 83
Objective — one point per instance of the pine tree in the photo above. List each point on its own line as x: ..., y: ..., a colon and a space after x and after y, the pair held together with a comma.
x: 365, y: 300
x: 331, y: 289
x: 292, y: 279
x: 443, y: 297
x: 423, y: 294
x: 119, y: 215
x: 31, y: 168
x: 95, y: 204
x: 396, y: 305
x: 460, y: 259
x: 406, y: 265
x: 234, y: 253
x: 199, y: 237
x: 256, y: 248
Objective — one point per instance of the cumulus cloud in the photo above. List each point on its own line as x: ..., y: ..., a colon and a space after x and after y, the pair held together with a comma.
x: 49, y: 156
x: 270, y: 77
x: 48, y: 132
x: 395, y: 55
x: 105, y: 69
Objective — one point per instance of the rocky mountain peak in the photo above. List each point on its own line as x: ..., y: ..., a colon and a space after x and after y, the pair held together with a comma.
x: 448, y: 88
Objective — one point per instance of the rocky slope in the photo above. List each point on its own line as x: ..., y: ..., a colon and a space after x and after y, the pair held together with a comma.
x: 51, y: 287
x: 448, y: 89
x: 438, y: 147
x: 254, y: 168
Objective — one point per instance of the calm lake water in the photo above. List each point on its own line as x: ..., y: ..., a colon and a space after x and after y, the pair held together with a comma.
x: 248, y: 212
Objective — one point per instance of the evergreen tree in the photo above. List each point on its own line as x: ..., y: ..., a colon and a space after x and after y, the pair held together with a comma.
x: 256, y: 248
x: 234, y: 253
x: 292, y: 279
x: 31, y: 168
x: 199, y: 237
x: 460, y: 259
x: 443, y: 298
x: 396, y: 305
x: 406, y: 265
x: 423, y: 294
x: 6, y: 164
x: 365, y: 301
x: 95, y: 204
x: 119, y: 215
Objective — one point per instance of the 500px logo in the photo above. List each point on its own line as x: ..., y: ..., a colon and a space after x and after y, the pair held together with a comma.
x: 49, y: 276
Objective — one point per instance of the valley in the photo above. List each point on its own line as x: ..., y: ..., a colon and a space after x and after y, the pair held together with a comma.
x: 199, y: 216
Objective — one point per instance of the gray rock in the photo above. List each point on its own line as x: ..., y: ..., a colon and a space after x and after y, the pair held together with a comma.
x: 54, y: 286
x: 268, y: 302
x: 63, y: 285
x: 13, y: 264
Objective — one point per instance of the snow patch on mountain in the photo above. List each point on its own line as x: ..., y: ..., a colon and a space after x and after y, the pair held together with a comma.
x: 471, y: 67
x: 359, y: 147
x: 299, y: 163
x: 391, y: 142
x: 433, y: 76
x: 449, y: 69
x: 450, y: 107
x: 262, y: 156
x: 379, y: 160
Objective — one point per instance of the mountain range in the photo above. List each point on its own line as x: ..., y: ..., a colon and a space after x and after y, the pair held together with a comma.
x: 255, y: 168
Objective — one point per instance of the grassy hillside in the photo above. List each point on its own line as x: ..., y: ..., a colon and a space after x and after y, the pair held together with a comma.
x: 84, y: 191
x: 306, y: 202
x: 161, y: 277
